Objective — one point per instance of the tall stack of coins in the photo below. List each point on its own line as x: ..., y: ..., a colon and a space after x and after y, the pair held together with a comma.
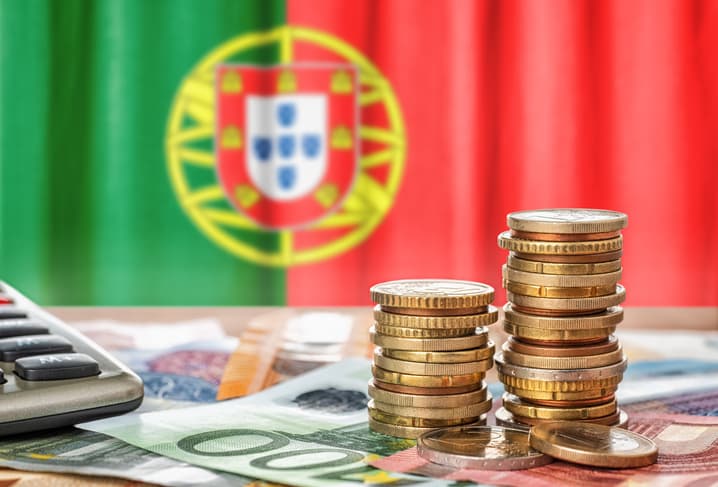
x: 432, y: 355
x: 562, y: 361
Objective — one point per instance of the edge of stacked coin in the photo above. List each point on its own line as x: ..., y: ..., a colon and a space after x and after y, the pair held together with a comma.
x: 431, y: 357
x: 562, y: 361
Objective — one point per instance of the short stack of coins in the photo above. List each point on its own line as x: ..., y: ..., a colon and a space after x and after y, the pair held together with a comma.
x: 562, y: 361
x: 431, y: 357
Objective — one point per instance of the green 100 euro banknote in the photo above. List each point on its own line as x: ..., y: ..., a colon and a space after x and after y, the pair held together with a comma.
x: 309, y: 431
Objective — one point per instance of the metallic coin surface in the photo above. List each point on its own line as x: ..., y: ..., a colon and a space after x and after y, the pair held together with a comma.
x: 587, y: 397
x: 450, y: 413
x: 560, y: 404
x: 478, y: 339
x: 560, y: 280
x: 567, y: 220
x: 569, y: 375
x: 413, y: 380
x: 519, y: 407
x: 436, y: 322
x: 559, y: 386
x: 423, y: 368
x: 412, y: 422
x: 554, y: 313
x: 572, y: 259
x: 480, y: 447
x: 610, y: 317
x: 504, y: 417
x: 405, y: 431
x: 563, y: 237
x: 558, y: 292
x: 572, y: 304
x: 561, y: 363
x: 594, y: 445
x: 606, y: 346
x: 429, y: 391
x: 506, y: 241
x: 432, y: 294
x: 427, y: 401
x: 527, y: 333
x: 562, y: 269
x: 403, y: 332
x: 458, y: 356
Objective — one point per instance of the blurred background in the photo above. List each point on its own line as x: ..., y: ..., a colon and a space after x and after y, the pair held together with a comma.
x: 467, y: 110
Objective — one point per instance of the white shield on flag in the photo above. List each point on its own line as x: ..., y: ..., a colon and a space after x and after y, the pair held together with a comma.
x: 286, y: 150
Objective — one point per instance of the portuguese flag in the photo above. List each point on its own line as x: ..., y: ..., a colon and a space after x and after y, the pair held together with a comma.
x: 297, y: 152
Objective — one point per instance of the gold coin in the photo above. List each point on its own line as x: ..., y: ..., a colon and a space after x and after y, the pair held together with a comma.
x: 405, y: 431
x: 572, y: 304
x: 412, y: 422
x: 436, y: 322
x: 594, y: 395
x: 562, y: 363
x: 519, y: 407
x: 558, y: 292
x: 563, y: 237
x: 504, y: 417
x: 433, y: 294
x: 539, y: 334
x: 506, y: 241
x: 468, y: 411
x: 541, y: 385
x: 480, y: 447
x: 594, y: 445
x: 595, y: 373
x: 459, y: 356
x: 400, y: 331
x: 423, y: 368
x: 567, y: 220
x: 560, y: 280
x: 611, y: 317
x: 562, y: 269
x: 608, y: 345
x: 478, y: 339
x: 423, y: 401
x: 554, y: 313
x: 560, y: 404
x: 572, y: 259
x: 429, y: 391
x: 414, y: 380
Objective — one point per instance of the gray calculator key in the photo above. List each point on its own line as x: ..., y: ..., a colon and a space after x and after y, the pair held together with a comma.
x: 16, y: 328
x: 12, y: 349
x: 11, y: 313
x: 56, y: 367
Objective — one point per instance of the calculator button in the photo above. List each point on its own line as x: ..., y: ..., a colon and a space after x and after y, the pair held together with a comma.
x: 12, y: 349
x: 56, y: 367
x: 16, y: 328
x: 11, y: 313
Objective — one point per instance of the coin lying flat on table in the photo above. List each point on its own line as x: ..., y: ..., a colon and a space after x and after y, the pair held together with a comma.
x: 538, y: 267
x: 567, y: 220
x: 480, y: 447
x: 427, y: 401
x: 478, y: 339
x: 458, y: 356
x: 436, y: 322
x: 594, y: 445
x: 440, y: 295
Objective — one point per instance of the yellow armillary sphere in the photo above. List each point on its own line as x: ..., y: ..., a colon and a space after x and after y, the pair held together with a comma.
x: 191, y: 156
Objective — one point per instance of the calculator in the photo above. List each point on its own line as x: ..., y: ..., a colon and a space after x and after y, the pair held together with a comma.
x: 51, y: 375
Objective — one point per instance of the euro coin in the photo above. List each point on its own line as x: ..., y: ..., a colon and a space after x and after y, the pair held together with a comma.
x: 567, y: 220
x: 478, y: 338
x: 561, y: 363
x: 427, y: 401
x: 459, y: 356
x: 534, y: 266
x: 519, y: 407
x: 412, y: 422
x: 422, y: 368
x: 548, y: 398
x: 552, y: 336
x: 554, y: 313
x: 449, y: 413
x: 572, y: 259
x: 570, y: 304
x: 594, y: 445
x: 437, y: 295
x: 610, y: 317
x: 560, y: 280
x: 404, y: 431
x: 569, y: 386
x: 436, y: 322
x: 425, y: 380
x: 569, y: 375
x: 558, y: 292
x: 504, y: 417
x: 400, y: 331
x: 563, y: 237
x: 480, y: 447
x: 429, y: 391
x: 608, y: 345
x: 506, y: 241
